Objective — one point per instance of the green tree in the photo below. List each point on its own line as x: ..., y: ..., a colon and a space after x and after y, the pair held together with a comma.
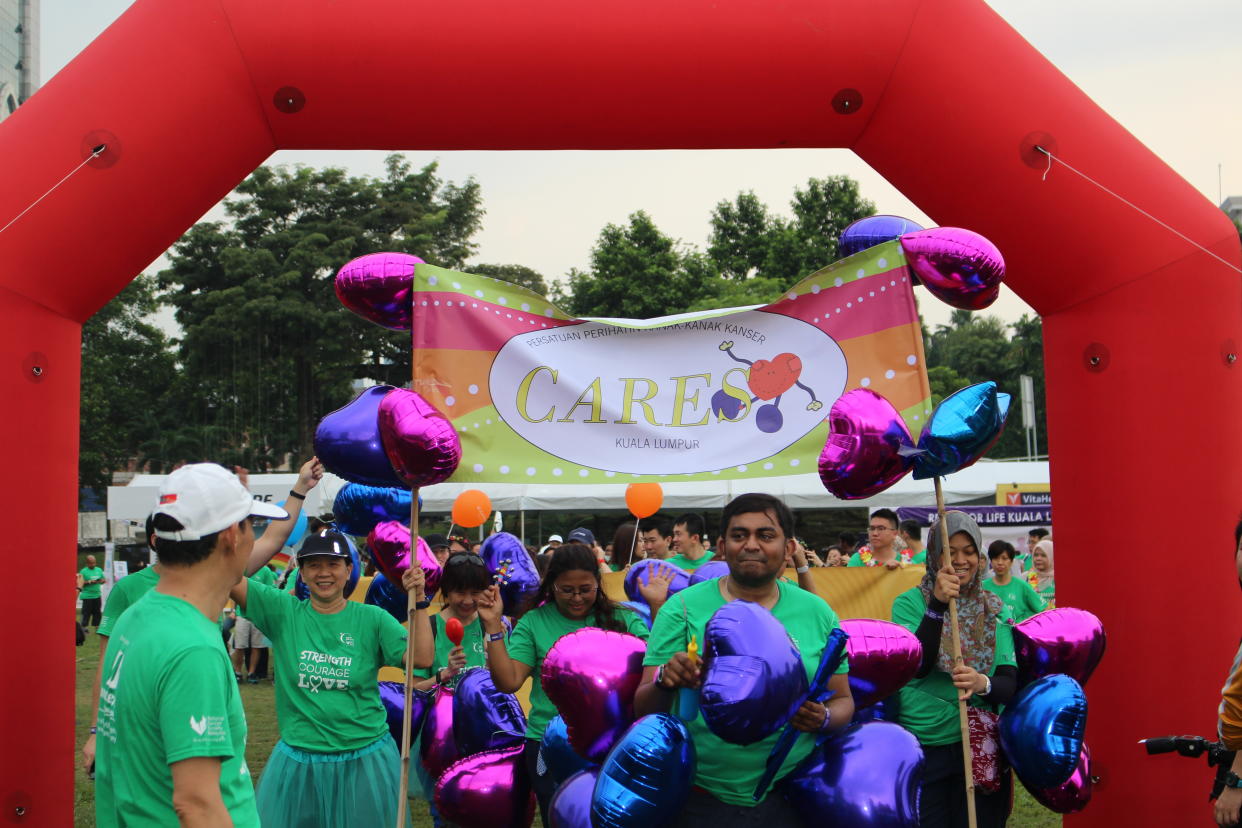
x: 516, y: 274
x: 267, y: 349
x: 127, y: 368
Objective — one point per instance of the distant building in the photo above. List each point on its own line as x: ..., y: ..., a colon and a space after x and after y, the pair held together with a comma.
x: 19, y: 53
x: 1233, y: 208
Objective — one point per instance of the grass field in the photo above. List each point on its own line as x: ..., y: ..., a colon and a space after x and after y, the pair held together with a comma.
x: 259, y: 701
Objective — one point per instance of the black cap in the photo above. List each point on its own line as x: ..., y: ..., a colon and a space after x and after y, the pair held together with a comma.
x: 582, y: 535
x: 434, y: 541
x: 326, y: 543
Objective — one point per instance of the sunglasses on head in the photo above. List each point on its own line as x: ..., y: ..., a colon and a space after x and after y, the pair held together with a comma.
x: 459, y: 558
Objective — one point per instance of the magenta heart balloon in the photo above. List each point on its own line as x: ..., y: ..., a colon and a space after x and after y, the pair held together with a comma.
x: 883, y: 657
x: 591, y: 676
x: 421, y: 443
x: 487, y: 790
x: 438, y: 749
x: 1074, y: 794
x: 959, y: 267
x: 867, y: 446
x: 378, y: 287
x: 389, y: 543
x: 1062, y: 640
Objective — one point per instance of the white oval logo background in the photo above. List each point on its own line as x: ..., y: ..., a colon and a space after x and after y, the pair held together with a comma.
x: 641, y: 401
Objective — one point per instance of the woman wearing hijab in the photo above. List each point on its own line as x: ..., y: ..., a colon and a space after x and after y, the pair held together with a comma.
x: 1042, y: 573
x: 986, y: 678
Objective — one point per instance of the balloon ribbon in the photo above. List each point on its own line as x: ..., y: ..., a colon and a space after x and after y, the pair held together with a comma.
x: 834, y: 653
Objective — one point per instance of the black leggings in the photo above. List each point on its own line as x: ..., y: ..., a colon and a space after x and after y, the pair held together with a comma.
x: 541, y: 784
x: 942, y: 800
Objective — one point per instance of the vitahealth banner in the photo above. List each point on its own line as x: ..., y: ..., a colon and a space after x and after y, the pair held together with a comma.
x: 540, y: 397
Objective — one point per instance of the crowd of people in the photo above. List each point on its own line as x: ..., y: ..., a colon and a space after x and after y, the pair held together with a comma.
x: 170, y: 740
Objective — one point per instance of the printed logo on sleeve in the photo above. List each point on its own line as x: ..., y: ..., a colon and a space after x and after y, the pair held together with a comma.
x: 198, y: 725
x: 209, y: 728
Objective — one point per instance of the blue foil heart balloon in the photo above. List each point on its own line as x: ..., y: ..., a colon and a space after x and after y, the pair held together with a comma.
x: 483, y: 717
x: 961, y: 430
x: 754, y: 679
x: 559, y: 755
x: 708, y: 572
x: 868, y: 446
x: 872, y: 230
x: 348, y: 441
x: 516, y: 575
x: 643, y: 570
x: 959, y: 267
x: 358, y: 508
x: 1042, y: 730
x: 571, y: 804
x: 392, y: 696
x: 646, y: 777
x: 384, y: 594
x: 868, y: 776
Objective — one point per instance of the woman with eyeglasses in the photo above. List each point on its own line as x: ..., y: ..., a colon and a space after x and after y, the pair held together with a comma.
x: 570, y: 597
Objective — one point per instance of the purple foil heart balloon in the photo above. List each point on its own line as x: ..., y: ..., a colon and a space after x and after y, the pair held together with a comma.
x: 378, y: 287
x: 438, y: 749
x: 420, y: 442
x: 515, y: 572
x: 392, y: 696
x: 958, y: 267
x: 487, y: 790
x: 709, y: 571
x: 883, y: 657
x: 868, y: 777
x: 348, y: 441
x: 590, y: 676
x: 872, y: 230
x: 643, y: 570
x: 571, y: 804
x: 483, y: 717
x: 965, y: 425
x: 1072, y: 796
x: 1062, y: 640
x: 389, y: 543
x: 868, y: 446
x: 754, y: 679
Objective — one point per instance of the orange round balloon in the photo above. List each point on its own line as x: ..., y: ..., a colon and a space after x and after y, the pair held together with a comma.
x: 644, y: 499
x: 471, y: 508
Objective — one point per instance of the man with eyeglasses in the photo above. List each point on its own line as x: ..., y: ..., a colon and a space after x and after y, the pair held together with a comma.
x: 881, y: 548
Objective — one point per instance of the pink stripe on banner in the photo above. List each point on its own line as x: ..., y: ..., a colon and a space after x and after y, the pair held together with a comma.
x: 862, y: 307
x: 456, y: 321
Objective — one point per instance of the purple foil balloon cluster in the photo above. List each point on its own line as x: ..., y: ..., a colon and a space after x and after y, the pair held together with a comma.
x: 388, y: 437
x: 379, y: 288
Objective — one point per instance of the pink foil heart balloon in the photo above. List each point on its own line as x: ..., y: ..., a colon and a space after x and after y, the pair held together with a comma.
x: 438, y: 749
x: 591, y: 676
x: 867, y: 447
x: 883, y: 657
x: 1074, y: 794
x: 421, y: 443
x: 959, y: 267
x: 487, y: 790
x: 378, y: 287
x: 389, y: 543
x: 1062, y: 640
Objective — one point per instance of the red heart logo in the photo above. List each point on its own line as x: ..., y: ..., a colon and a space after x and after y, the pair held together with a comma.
x: 769, y: 379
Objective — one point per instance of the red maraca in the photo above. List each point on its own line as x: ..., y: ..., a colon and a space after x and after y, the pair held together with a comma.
x: 455, y: 631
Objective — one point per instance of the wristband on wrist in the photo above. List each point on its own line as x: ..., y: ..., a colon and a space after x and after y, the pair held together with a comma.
x: 496, y: 636
x: 422, y: 605
x: 934, y: 615
x: 1232, y: 780
x: 823, y: 728
x: 292, y: 493
x: 92, y: 730
x: 659, y: 680
x: 987, y: 688
x: 801, y: 569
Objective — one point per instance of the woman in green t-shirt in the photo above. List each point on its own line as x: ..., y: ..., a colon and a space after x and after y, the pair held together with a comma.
x: 570, y: 597
x: 1018, y: 596
x: 1041, y: 568
x: 335, y: 763
x: 988, y: 677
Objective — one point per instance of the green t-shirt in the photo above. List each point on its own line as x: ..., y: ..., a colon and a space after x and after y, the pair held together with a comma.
x: 730, y: 772
x: 920, y: 558
x: 682, y: 562
x: 327, y: 695
x: 1021, y: 601
x: 1048, y: 592
x: 264, y: 576
x: 167, y: 695
x: 124, y: 594
x: 534, y: 635
x: 929, y: 704
x: 89, y: 574
x: 471, y: 644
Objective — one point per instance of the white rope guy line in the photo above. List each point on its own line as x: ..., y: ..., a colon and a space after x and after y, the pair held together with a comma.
x: 95, y: 153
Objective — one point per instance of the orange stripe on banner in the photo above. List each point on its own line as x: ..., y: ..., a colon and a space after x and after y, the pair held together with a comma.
x: 444, y: 373
x: 871, y: 357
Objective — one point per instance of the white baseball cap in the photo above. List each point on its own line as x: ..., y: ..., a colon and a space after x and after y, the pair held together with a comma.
x: 556, y: 538
x: 206, y: 498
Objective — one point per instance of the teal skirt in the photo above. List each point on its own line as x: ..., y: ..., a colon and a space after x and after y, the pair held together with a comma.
x: 300, y: 789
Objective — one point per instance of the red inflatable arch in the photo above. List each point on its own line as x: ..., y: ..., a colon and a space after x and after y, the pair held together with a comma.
x: 940, y: 96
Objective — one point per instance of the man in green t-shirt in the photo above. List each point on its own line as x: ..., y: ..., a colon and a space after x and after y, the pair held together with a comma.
x: 756, y: 536
x: 91, y: 578
x: 171, y: 731
x: 689, y: 530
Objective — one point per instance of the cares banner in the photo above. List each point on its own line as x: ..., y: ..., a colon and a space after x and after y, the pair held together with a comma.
x: 540, y: 397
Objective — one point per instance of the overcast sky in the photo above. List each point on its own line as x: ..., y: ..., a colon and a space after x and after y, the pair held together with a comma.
x: 1167, y: 71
